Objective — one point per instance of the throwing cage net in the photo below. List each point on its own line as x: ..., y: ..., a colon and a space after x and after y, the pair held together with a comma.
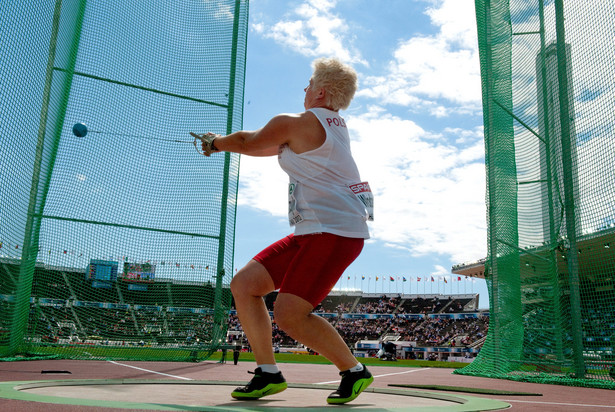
x: 116, y: 236
x: 548, y: 81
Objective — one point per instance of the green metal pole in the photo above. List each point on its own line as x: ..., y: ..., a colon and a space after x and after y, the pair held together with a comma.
x: 26, y: 272
x: 503, y: 348
x: 219, y: 311
x: 40, y: 187
x: 552, y: 241
x: 569, y: 190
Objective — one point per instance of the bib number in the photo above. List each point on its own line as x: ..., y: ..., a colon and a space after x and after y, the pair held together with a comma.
x: 363, y: 192
x: 294, y: 216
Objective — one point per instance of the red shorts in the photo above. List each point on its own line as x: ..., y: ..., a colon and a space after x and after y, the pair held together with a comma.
x: 309, y: 266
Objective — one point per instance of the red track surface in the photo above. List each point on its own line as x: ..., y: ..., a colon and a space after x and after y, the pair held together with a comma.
x: 554, y: 397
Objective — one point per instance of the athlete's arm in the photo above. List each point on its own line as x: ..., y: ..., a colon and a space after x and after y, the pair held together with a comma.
x: 301, y: 132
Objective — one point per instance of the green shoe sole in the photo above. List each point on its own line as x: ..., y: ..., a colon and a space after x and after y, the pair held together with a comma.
x: 358, y: 387
x: 270, y: 389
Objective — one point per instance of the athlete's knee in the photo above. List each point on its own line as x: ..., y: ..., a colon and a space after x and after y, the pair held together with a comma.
x: 237, y: 286
x: 289, y: 317
x: 252, y: 280
x: 285, y: 317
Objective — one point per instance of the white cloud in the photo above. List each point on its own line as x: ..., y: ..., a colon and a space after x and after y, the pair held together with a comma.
x: 430, y: 68
x: 429, y: 194
x: 457, y: 22
x: 224, y: 12
x: 263, y: 185
x: 313, y: 30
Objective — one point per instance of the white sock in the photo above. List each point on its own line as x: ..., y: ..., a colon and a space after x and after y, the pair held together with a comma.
x: 269, y: 368
x: 357, y: 368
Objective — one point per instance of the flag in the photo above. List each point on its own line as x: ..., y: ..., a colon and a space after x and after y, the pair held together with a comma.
x: 418, y: 279
x: 376, y: 278
x: 459, y: 278
x: 405, y: 279
x: 432, y: 279
x: 392, y: 278
x: 348, y: 277
x: 445, y: 281
x: 362, y: 277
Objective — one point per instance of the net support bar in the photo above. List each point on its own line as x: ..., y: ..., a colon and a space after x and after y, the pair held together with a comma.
x: 150, y: 229
x: 571, y: 230
x: 147, y: 89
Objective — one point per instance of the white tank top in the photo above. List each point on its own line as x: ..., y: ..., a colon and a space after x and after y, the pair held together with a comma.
x: 324, y: 185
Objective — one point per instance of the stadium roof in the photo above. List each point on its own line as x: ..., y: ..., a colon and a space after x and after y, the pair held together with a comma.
x: 595, y: 249
x: 471, y: 269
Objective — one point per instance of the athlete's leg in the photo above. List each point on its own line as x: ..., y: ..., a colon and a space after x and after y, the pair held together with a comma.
x: 316, y: 267
x: 294, y: 316
x: 249, y: 286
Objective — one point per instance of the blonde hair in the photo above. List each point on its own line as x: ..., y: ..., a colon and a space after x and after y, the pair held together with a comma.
x: 338, y: 79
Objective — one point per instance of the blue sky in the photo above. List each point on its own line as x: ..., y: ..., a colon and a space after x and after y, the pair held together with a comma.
x: 415, y: 123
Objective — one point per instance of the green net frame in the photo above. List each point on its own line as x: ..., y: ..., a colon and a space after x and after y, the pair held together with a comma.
x: 117, y: 244
x: 548, y: 106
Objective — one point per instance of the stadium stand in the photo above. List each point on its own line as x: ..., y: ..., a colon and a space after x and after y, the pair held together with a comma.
x: 66, y: 307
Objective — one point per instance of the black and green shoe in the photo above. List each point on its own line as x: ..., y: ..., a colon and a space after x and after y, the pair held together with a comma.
x: 352, y: 384
x: 263, y: 384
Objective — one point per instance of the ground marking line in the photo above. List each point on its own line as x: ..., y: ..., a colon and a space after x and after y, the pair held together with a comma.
x: 147, y: 370
x: 378, y: 376
x: 559, y: 403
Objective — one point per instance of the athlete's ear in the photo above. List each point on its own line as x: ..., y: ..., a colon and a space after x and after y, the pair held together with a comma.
x: 321, y: 93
